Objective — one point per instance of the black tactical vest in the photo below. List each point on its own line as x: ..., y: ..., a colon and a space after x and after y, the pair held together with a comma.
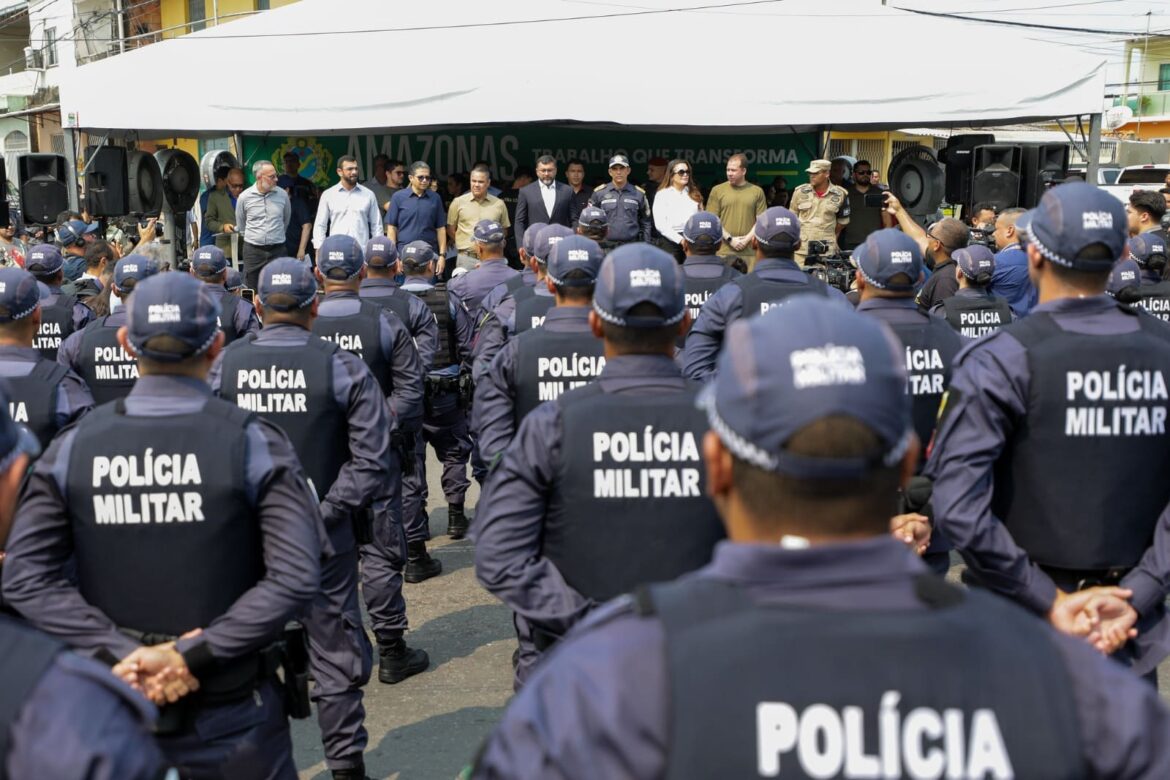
x: 27, y: 655
x: 227, y: 317
x: 447, y: 350
x: 760, y: 294
x: 56, y: 325
x: 550, y: 364
x: 293, y: 388
x: 397, y: 302
x: 1078, y: 484
x: 164, y: 535
x: 929, y: 348
x: 698, y: 290
x: 32, y: 399
x: 361, y: 334
x: 108, y: 369
x: 974, y: 317
x: 530, y: 308
x: 795, y: 691
x: 1156, y: 299
x: 629, y: 507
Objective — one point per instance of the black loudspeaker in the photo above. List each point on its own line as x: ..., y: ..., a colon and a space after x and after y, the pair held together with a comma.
x: 1043, y: 165
x: 43, y: 193
x: 106, y: 190
x: 916, y: 179
x: 996, y: 177
x: 957, y: 155
x: 145, y: 184
x: 180, y: 178
x: 5, y: 218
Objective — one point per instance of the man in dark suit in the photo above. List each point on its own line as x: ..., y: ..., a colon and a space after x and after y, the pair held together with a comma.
x: 544, y: 200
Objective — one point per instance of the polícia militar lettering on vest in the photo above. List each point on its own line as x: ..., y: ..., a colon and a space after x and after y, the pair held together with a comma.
x: 1100, y: 391
x: 568, y: 372
x: 263, y: 382
x: 113, y: 363
x: 664, y: 477
x: 151, y: 469
x: 973, y: 324
x: 48, y: 336
x: 924, y: 371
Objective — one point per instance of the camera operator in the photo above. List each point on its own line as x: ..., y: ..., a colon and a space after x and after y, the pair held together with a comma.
x: 865, y: 207
x: 937, y: 243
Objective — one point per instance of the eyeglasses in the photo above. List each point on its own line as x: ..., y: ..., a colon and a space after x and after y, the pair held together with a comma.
x: 933, y: 237
x: 682, y: 172
x: 235, y: 186
x: 861, y: 173
x: 420, y: 177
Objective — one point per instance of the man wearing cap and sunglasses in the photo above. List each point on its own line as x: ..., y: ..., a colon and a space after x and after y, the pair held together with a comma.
x: 171, y: 535
x: 787, y: 654
x: 625, y: 204
x: 61, y: 314
x: 1047, y: 421
x: 601, y: 490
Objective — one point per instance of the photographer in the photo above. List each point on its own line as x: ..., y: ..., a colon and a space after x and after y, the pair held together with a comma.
x: 937, y: 243
x: 865, y: 208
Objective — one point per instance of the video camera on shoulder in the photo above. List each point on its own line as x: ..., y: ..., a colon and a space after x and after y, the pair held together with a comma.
x: 833, y: 268
x: 984, y: 234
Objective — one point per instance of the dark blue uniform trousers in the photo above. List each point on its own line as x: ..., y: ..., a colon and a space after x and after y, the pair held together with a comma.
x: 382, y: 564
x: 445, y: 429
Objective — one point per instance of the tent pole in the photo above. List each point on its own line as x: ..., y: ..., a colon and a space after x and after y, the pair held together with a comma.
x: 1094, y: 148
x: 71, y: 168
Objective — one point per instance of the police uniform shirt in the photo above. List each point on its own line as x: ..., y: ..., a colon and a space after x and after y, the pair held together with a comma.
x: 987, y: 399
x: 628, y: 211
x: 50, y: 335
x: 244, y: 319
x: 358, y: 395
x: 497, y: 328
x: 705, y: 338
x: 40, y: 549
x: 406, y: 369
x: 419, y: 320
x: 501, y: 291
x: 116, y: 364
x: 705, y: 269
x: 611, y: 683
x: 981, y: 322
x: 72, y: 396
x: 493, y: 413
x: 96, y: 721
x: 459, y: 317
x: 470, y: 288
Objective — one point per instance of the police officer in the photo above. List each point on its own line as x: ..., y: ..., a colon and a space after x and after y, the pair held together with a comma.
x: 334, y: 412
x: 973, y: 310
x: 542, y: 363
x: 380, y: 286
x: 593, y: 223
x: 234, y: 283
x: 889, y: 272
x: 381, y: 340
x: 526, y: 278
x: 1124, y: 282
x: 774, y: 277
x: 1034, y: 456
x: 822, y: 207
x: 787, y: 654
x: 44, y: 396
x: 702, y: 236
x: 625, y: 205
x: 445, y: 409
x: 173, y: 532
x: 82, y: 267
x: 99, y: 728
x: 237, y: 318
x: 61, y: 314
x: 95, y: 353
x: 470, y: 288
x: 602, y: 490
x: 1149, y: 251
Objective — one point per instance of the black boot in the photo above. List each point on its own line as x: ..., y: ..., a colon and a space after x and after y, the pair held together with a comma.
x: 456, y: 521
x: 419, y: 563
x: 353, y: 773
x: 396, y: 661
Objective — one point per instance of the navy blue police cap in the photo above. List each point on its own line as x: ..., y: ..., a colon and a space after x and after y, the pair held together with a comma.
x: 593, y: 217
x: 416, y: 255
x: 704, y: 228
x: 381, y: 252
x: 1071, y: 218
x: 209, y: 260
x: 175, y: 305
x: 19, y: 293
x: 884, y: 255
x: 530, y: 234
x: 234, y: 280
x: 973, y: 260
x: 547, y: 238
x: 133, y: 267
x: 634, y: 274
x: 805, y: 361
x: 778, y: 228
x: 575, y: 253
x: 43, y: 260
x: 291, y: 277
x: 340, y: 252
x: 1125, y: 273
x: 489, y: 231
x: 1141, y: 247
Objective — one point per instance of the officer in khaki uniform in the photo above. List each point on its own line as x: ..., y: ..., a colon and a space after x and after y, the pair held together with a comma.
x: 823, y: 209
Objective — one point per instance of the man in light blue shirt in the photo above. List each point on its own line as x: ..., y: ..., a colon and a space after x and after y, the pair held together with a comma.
x: 347, y: 208
x: 1010, y: 279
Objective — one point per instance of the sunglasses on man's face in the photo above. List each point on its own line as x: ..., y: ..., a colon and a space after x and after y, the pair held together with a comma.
x: 420, y: 177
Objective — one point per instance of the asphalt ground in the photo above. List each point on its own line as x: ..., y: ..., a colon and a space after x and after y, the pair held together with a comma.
x: 429, y: 726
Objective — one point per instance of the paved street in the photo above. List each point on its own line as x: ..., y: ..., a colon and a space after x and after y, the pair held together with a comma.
x: 429, y: 727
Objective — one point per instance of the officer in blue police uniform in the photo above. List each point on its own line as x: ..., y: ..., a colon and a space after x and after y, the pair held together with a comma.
x: 1047, y: 421
x: 974, y: 310
x: 526, y: 278
x: 522, y: 305
x: 593, y: 223
x: 44, y: 396
x: 61, y: 314
x: 445, y: 409
x: 381, y: 287
x: 706, y: 273
x: 1148, y: 250
x: 237, y: 317
x: 382, y: 341
x: 470, y: 288
x: 100, y: 729
x: 330, y: 405
x: 601, y: 491
x: 95, y: 353
x: 625, y: 205
x: 1125, y: 280
x: 889, y: 273
x: 542, y: 363
x: 174, y: 533
x: 774, y: 277
x: 234, y: 282
x: 787, y: 655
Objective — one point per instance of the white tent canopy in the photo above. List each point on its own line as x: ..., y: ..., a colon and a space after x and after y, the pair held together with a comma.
x: 325, y: 66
